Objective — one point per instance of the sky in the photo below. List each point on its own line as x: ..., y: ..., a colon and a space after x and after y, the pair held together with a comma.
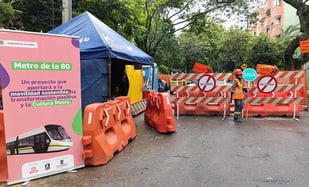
x: 241, y: 20
x: 234, y: 19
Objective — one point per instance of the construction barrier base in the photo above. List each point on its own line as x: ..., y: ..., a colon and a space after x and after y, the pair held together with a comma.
x: 201, y: 109
x: 272, y: 110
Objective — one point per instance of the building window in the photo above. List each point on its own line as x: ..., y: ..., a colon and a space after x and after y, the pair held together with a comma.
x: 267, y: 29
x: 278, y: 36
x: 278, y: 20
x: 277, y: 2
x: 268, y: 12
x: 262, y: 20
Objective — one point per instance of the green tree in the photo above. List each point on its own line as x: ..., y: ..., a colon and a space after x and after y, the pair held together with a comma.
x: 121, y: 15
x: 166, y: 17
x: 169, y: 53
x: 235, y: 47
x: 39, y: 15
x: 192, y: 50
x: 152, y: 24
x: 200, y: 43
x: 211, y: 36
x: 290, y: 32
x: 164, y: 69
x: 9, y: 16
x: 266, y: 50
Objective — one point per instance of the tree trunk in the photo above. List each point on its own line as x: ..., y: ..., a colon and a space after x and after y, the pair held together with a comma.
x: 303, y: 15
x: 288, y: 53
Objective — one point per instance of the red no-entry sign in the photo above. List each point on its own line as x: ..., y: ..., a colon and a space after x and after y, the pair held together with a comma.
x: 206, y: 83
x: 267, y: 84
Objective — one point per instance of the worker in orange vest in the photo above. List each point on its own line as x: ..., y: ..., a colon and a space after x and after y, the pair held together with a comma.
x: 237, y: 94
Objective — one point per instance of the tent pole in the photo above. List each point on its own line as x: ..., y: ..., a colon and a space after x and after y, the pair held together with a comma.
x: 109, y: 64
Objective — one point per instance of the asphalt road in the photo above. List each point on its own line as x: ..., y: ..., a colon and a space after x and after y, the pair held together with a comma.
x: 204, y: 151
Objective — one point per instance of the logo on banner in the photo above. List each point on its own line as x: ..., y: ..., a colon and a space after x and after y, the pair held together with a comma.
x: 201, y: 68
x: 267, y: 84
x: 206, y: 83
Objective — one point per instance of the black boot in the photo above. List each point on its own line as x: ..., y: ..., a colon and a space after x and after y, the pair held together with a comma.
x: 240, y: 118
x: 237, y: 118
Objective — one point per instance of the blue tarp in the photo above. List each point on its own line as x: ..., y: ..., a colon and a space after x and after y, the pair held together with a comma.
x: 97, y: 40
x: 98, y: 44
x: 94, y: 79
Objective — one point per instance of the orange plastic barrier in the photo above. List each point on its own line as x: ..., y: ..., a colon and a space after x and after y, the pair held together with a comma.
x: 128, y: 130
x: 3, y: 160
x: 149, y: 95
x: 153, y: 111
x: 107, y: 128
x: 159, y: 113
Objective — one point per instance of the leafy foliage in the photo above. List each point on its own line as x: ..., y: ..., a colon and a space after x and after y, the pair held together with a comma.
x: 163, y: 69
x: 154, y: 25
x: 224, y: 50
x: 39, y: 15
x: 267, y: 51
x: 8, y: 16
x: 120, y: 15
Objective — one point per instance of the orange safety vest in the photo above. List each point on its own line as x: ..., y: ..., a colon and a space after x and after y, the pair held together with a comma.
x: 238, y: 92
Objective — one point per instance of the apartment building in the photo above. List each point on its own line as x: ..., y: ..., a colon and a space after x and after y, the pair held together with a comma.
x: 273, y: 17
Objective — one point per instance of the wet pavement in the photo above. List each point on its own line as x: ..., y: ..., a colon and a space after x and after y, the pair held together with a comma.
x: 204, y: 151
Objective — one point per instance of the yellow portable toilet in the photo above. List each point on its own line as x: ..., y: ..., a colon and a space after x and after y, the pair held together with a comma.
x: 136, y: 82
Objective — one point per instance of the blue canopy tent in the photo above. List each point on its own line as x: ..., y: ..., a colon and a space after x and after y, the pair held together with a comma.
x: 101, y: 48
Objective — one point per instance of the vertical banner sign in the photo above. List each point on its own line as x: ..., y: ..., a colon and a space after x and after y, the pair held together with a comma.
x: 40, y: 76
